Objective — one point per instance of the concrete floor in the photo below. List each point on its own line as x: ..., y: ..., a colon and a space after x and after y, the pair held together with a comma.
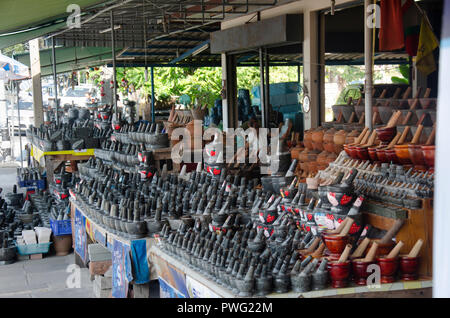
x: 44, y: 278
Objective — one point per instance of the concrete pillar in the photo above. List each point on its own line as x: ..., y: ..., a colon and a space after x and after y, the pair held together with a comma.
x: 35, y: 63
x: 311, y: 81
x: 229, y: 92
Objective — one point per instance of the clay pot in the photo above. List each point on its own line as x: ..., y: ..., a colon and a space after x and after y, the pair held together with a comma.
x: 351, y: 137
x: 388, y: 268
x: 330, y: 158
x: 307, y: 139
x: 386, y: 134
x: 339, y: 141
x: 317, y: 139
x: 335, y: 244
x: 402, y: 152
x: 63, y: 244
x: 295, y: 152
x: 360, y: 271
x: 322, y: 158
x: 339, y: 273
x: 328, y: 137
x: 409, y: 267
x: 428, y: 154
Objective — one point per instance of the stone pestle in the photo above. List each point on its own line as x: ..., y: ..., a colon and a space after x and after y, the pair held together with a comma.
x: 302, y: 282
x: 264, y: 283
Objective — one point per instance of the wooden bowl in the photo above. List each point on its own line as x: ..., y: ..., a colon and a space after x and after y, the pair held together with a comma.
x: 388, y: 268
x: 402, y: 152
x: 416, y: 155
x: 386, y: 134
x: 428, y: 154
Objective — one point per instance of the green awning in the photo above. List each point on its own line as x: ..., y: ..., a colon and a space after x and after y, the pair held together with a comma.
x: 17, y: 15
x: 21, y: 37
x: 69, y: 59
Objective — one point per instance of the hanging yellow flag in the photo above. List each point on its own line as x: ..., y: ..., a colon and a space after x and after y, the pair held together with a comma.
x: 427, y: 44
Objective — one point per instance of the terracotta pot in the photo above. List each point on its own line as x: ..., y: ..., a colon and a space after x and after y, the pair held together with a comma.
x: 402, y: 152
x: 328, y: 143
x: 339, y: 273
x: 331, y: 158
x: 307, y: 139
x: 339, y: 141
x: 312, y: 166
x: 386, y: 134
x: 409, y: 267
x: 388, y: 268
x: 428, y: 154
x: 335, y: 244
x: 360, y: 271
x: 303, y: 155
x: 351, y: 137
x: 317, y: 138
x: 295, y: 152
x: 63, y: 244
x: 322, y: 158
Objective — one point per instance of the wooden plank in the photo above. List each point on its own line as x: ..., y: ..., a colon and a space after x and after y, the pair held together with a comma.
x: 380, y: 222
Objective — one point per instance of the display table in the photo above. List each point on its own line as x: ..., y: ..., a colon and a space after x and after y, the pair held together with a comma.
x: 85, y: 229
x: 179, y: 280
x: 51, y: 160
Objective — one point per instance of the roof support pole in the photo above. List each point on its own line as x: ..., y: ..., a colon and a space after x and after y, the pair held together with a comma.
x: 113, y: 48
x: 311, y: 82
x: 35, y: 63
x: 152, y: 78
x: 229, y: 92
x: 262, y: 91
x: 368, y: 29
x: 267, y: 83
x: 55, y: 82
x: 18, y: 119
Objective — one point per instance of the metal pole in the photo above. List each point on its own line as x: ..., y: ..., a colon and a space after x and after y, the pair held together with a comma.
x: 153, y: 93
x: 265, y: 120
x: 20, y: 131
x: 55, y: 83
x: 113, y: 48
x: 368, y: 65
x: 267, y: 88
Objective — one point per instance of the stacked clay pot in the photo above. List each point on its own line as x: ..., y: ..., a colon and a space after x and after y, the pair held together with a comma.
x: 339, y: 141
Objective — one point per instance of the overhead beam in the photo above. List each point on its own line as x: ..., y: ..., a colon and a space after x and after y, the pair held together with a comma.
x: 190, y: 52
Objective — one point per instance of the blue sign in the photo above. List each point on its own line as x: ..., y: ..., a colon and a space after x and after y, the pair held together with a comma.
x: 80, y: 235
x: 167, y: 291
x: 121, y: 263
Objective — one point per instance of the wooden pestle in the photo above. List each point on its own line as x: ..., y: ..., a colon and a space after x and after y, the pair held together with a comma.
x: 416, y: 249
x: 362, y: 119
x: 319, y: 251
x: 397, y: 93
x: 362, y: 138
x: 372, y: 252
x: 392, y: 231
x: 345, y: 254
x: 340, y: 227
x: 404, y: 135
x: 352, y: 117
x: 416, y: 137
x: 313, y: 245
x: 361, y: 248
x: 430, y: 139
x: 407, y: 92
x: 394, y: 118
x: 372, y: 139
x: 427, y: 93
x: 394, y: 141
x: 346, y: 227
x: 396, y: 250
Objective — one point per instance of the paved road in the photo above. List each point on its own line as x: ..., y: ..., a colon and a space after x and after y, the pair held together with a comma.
x: 44, y: 278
